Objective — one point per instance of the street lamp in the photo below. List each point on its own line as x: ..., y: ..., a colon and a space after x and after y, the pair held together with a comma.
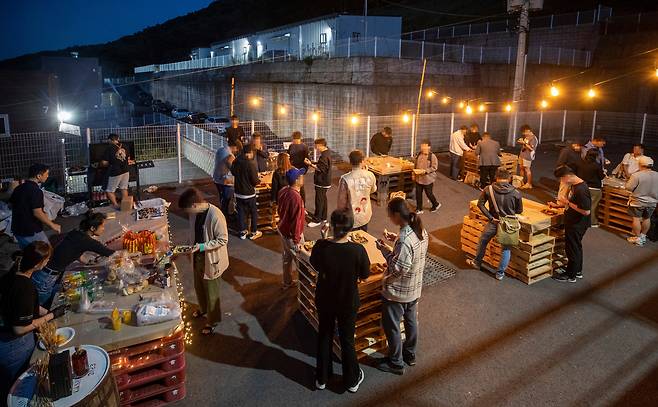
x: 64, y: 116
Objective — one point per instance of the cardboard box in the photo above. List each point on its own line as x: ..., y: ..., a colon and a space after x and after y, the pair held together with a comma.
x: 127, y: 204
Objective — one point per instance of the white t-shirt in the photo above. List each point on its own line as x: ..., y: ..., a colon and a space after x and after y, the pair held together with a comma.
x: 633, y: 163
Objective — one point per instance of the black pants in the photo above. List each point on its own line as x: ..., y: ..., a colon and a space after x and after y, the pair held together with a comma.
x: 302, y: 192
x: 320, y: 204
x: 346, y: 330
x: 487, y: 174
x: 247, y: 207
x: 429, y: 191
x: 573, y: 246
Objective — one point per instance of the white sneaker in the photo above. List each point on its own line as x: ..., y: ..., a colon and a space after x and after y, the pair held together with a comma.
x: 420, y: 212
x: 355, y: 388
x: 256, y: 235
x: 320, y: 386
x: 436, y: 208
x: 314, y: 224
x: 243, y: 235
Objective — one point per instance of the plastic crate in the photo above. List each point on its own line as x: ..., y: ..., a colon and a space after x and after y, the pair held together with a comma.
x: 170, y: 395
x: 129, y: 380
x: 167, y: 346
x: 148, y: 391
x: 167, y: 356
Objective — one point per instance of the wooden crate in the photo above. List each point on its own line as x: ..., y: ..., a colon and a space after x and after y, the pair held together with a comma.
x: 613, y: 209
x: 388, y: 183
x: 507, y: 161
x: 267, y: 214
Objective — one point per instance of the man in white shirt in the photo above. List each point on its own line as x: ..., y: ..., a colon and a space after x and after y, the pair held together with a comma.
x: 457, y: 148
x: 354, y: 189
x: 642, y: 203
x: 631, y: 162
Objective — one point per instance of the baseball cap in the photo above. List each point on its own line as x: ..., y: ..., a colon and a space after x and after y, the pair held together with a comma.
x: 645, y: 161
x: 294, y: 173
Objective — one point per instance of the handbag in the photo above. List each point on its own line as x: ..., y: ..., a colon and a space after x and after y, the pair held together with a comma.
x: 508, y: 225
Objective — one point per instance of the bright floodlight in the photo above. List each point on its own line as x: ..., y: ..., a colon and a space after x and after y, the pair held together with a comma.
x: 64, y: 116
x: 508, y: 107
x: 555, y: 91
x: 315, y: 116
x: 405, y: 118
x: 469, y: 109
x: 354, y: 119
x: 591, y: 93
x: 543, y: 104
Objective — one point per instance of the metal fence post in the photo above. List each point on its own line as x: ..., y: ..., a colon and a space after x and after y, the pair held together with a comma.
x: 315, y: 137
x: 594, y: 124
x: 368, y: 136
x: 480, y: 55
x: 400, y: 49
x: 452, y: 122
x: 253, y: 128
x: 443, y: 54
x: 422, y: 50
x: 541, y: 125
x: 564, y: 124
x: 463, y: 52
x: 180, y: 158
x: 559, y: 55
x: 375, y: 47
x: 644, y: 126
x: 349, y: 46
x: 540, y: 55
x: 509, y: 55
x: 413, y: 134
x: 486, y: 120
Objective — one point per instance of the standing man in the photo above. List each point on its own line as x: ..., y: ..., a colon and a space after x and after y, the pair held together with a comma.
x: 592, y: 173
x: 321, y: 180
x: 457, y: 148
x: 354, y: 189
x: 501, y: 195
x: 291, y: 221
x: 570, y: 155
x: 222, y: 176
x: 246, y: 178
x: 235, y: 132
x: 381, y: 142
x: 488, y: 152
x: 631, y: 162
x: 427, y: 164
x: 27, y: 214
x: 260, y: 151
x: 576, y: 222
x: 597, y: 143
x: 117, y: 160
x: 529, y: 144
x: 298, y: 153
x: 644, y: 187
x: 472, y: 138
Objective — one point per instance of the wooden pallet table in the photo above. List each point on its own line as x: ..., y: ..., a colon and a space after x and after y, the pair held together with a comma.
x: 267, y: 214
x: 508, y: 161
x: 392, y: 175
x: 613, y: 207
x: 533, y: 259
x: 369, y: 337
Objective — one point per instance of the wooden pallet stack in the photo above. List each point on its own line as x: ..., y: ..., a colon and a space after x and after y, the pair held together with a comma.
x: 532, y: 260
x: 508, y: 161
x: 267, y: 215
x: 613, y: 208
x: 392, y: 175
x: 370, y: 337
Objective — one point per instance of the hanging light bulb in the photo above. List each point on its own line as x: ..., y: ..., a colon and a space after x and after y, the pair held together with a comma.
x: 482, y: 107
x: 543, y: 104
x: 444, y: 100
x: 354, y: 119
x: 469, y: 109
x: 255, y: 101
x: 461, y: 105
x: 430, y: 93
x: 405, y: 118
x: 508, y: 107
x: 283, y: 110
x: 591, y: 93
x: 315, y: 116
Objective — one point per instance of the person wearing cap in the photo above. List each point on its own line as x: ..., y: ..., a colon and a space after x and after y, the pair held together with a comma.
x: 117, y: 161
x: 291, y: 221
x: 643, y: 185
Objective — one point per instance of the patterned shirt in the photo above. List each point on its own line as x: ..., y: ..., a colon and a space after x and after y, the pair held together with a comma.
x: 403, y: 279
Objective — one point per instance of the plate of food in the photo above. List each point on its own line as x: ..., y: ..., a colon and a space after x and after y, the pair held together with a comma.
x: 418, y: 171
x: 63, y: 336
x: 182, y: 249
x: 308, y: 245
x: 150, y: 212
x: 358, y: 238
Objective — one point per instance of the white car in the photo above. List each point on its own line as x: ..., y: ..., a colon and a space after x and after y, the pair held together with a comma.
x: 218, y: 123
x: 180, y: 113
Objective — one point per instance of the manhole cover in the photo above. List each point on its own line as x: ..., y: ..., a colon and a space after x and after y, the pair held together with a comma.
x: 436, y: 271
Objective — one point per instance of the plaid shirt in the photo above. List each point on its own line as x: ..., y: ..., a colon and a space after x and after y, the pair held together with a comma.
x: 403, y: 279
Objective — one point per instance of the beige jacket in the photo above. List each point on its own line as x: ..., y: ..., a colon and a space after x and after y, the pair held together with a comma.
x: 354, y: 189
x: 215, y: 235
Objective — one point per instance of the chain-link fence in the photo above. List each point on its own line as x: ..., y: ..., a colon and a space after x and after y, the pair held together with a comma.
x: 184, y: 151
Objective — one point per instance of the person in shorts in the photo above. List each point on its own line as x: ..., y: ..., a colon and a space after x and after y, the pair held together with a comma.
x: 643, y: 186
x: 117, y: 161
x: 529, y: 144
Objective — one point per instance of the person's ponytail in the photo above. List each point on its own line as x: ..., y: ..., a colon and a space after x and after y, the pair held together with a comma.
x: 401, y: 207
x: 416, y: 224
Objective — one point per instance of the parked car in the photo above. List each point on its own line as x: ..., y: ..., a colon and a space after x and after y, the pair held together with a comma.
x: 179, y: 113
x: 217, y: 124
x: 195, y: 118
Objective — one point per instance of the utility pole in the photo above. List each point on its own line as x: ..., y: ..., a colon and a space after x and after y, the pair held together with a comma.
x: 365, y: 20
x: 232, y: 95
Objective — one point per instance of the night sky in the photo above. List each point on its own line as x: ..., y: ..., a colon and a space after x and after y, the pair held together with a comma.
x: 28, y: 26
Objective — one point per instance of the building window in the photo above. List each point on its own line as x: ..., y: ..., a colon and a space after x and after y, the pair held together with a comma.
x: 356, y: 36
x: 323, y: 38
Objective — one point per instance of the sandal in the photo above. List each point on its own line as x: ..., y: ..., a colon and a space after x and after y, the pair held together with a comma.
x: 208, y: 330
x: 197, y: 313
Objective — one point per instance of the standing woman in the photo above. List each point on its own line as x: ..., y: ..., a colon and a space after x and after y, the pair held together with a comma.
x: 20, y: 313
x: 279, y: 179
x: 75, y: 243
x: 340, y: 264
x: 209, y: 234
x: 402, y: 284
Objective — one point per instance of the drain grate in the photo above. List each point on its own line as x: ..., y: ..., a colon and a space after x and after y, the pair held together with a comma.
x: 436, y: 271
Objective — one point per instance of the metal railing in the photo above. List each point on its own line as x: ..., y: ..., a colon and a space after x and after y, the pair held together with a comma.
x: 380, y: 47
x: 183, y: 151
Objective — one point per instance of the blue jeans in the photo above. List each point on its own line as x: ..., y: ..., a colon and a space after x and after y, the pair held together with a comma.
x: 225, y: 194
x: 489, y: 233
x: 392, y: 313
x: 24, y: 241
x: 455, y: 165
x: 46, y: 286
x: 15, y: 356
x: 246, y: 207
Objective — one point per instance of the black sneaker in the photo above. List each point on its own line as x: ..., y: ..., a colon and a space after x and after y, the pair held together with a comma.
x: 579, y: 275
x: 436, y: 208
x: 385, y: 365
x: 410, y: 360
x: 355, y: 388
x: 563, y: 278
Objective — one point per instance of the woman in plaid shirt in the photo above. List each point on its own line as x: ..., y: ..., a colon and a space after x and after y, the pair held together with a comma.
x: 402, y: 284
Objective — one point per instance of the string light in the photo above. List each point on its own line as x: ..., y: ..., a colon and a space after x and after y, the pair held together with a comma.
x: 656, y: 72
x: 405, y: 118
x: 508, y: 107
x: 555, y: 92
x: 315, y: 116
x: 591, y: 93
x: 430, y: 93
x: 255, y: 101
x: 543, y: 104
x: 461, y: 105
x: 482, y: 107
x: 354, y: 119
x: 445, y: 100
x: 283, y: 110
x: 469, y: 109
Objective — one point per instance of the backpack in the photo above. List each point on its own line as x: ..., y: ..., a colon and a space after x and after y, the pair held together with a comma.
x: 508, y: 225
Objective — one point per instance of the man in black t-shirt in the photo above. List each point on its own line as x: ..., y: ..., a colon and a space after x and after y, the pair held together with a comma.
x: 235, y: 132
x: 578, y: 206
x: 117, y: 160
x: 381, y: 142
x: 28, y: 216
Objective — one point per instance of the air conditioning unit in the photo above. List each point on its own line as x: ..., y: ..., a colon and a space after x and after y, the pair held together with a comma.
x: 515, y: 5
